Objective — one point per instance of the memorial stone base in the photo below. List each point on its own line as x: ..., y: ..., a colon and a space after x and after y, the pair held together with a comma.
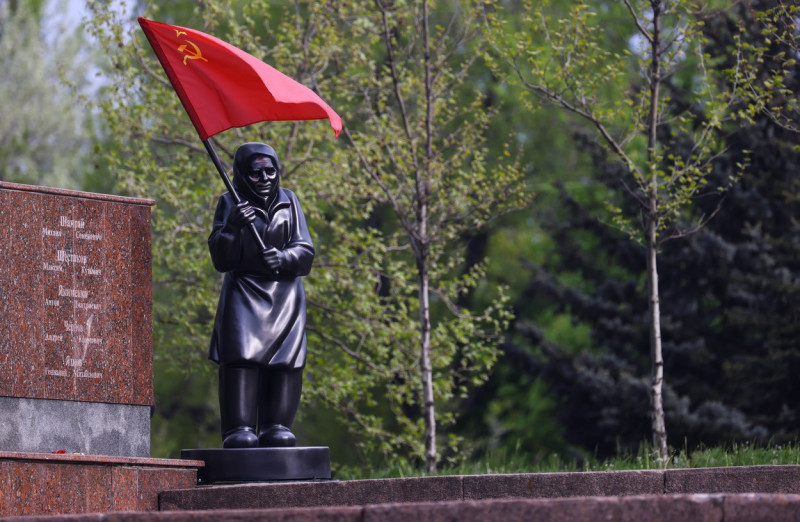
x: 261, y: 464
x: 93, y: 428
x: 42, y: 483
x: 75, y: 322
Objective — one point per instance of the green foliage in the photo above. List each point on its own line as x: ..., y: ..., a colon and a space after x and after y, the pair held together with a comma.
x: 514, y: 461
x: 44, y: 136
x: 566, y: 58
x: 728, y: 292
x: 769, y: 70
x: 431, y: 183
x: 535, y: 430
x: 363, y: 292
x: 620, y: 88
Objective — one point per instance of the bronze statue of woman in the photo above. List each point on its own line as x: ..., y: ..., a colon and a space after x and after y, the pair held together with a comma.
x: 259, y: 336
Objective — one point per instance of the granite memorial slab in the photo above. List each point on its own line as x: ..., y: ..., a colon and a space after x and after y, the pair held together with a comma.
x: 75, y: 322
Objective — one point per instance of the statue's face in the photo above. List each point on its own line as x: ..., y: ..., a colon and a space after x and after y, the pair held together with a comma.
x: 263, y: 176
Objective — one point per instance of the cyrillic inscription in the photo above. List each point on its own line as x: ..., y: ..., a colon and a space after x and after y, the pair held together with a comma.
x: 66, y: 257
x: 54, y: 233
x: 75, y: 363
x: 73, y: 327
x: 74, y: 330
x: 88, y: 237
x: 81, y: 305
x: 72, y: 292
x: 71, y: 223
x: 88, y: 375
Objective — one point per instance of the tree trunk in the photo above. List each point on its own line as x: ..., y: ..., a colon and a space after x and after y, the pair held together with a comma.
x: 425, y: 365
x: 656, y: 356
x: 424, y: 297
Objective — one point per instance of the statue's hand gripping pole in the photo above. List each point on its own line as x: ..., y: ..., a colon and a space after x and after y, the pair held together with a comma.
x: 232, y: 190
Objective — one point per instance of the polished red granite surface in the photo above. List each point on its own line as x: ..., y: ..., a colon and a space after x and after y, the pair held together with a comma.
x: 98, y: 459
x: 75, y: 296
x: 42, y: 483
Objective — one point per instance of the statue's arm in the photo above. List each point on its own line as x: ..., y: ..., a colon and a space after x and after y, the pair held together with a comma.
x: 224, y: 242
x: 299, y: 253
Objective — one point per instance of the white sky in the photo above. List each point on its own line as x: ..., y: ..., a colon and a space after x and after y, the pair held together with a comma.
x: 65, y: 16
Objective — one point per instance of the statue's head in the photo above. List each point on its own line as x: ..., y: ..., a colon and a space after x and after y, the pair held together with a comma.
x: 256, y: 166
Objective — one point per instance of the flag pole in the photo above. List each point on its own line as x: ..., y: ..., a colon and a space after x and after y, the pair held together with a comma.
x: 232, y: 190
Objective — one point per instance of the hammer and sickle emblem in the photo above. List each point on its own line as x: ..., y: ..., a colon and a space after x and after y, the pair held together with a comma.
x: 191, y: 54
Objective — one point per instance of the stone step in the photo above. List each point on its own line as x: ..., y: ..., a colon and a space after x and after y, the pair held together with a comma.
x: 745, y: 479
x: 708, y: 494
x: 751, y: 507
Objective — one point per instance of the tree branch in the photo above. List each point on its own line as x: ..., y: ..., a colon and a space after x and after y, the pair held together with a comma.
x: 387, y: 39
x: 398, y: 209
x: 559, y: 100
x: 178, y: 141
x: 156, y: 76
x: 342, y: 346
x: 638, y: 22
x: 702, y: 222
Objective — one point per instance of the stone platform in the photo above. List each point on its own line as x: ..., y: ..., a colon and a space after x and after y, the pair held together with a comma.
x: 42, y: 483
x: 755, y: 493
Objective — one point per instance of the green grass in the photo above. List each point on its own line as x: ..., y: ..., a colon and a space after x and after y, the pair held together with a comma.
x: 737, y: 454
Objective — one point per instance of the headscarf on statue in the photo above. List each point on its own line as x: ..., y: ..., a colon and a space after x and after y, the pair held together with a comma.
x: 241, y: 165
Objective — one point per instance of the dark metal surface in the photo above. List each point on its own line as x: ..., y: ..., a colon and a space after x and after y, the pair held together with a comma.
x: 259, y: 338
x: 261, y: 464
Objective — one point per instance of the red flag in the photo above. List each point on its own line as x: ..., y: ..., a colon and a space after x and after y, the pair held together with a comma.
x: 221, y: 86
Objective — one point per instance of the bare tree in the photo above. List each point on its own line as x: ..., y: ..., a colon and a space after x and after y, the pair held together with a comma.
x: 424, y: 152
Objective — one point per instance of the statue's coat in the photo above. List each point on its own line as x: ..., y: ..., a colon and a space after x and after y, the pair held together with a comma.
x: 261, y: 314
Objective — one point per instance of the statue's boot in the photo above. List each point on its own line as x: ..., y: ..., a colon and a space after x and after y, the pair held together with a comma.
x: 280, y: 397
x: 238, y: 396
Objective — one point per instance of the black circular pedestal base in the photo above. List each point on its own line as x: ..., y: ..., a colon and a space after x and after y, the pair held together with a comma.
x: 261, y: 464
